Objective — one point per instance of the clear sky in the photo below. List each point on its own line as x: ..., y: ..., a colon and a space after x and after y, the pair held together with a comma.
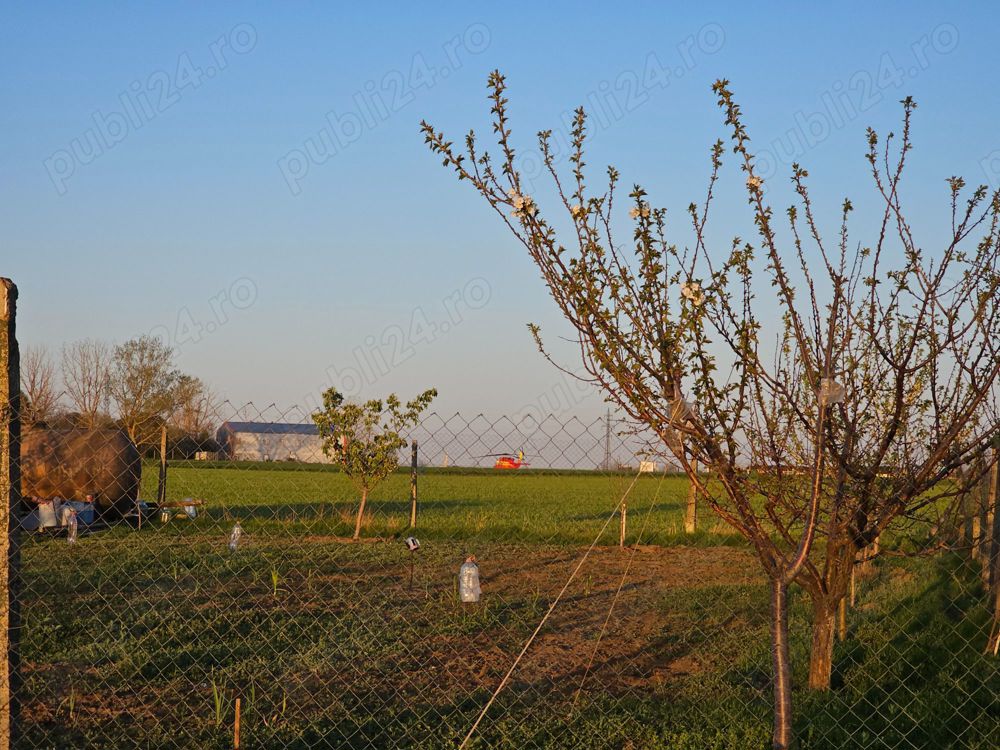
x: 248, y: 180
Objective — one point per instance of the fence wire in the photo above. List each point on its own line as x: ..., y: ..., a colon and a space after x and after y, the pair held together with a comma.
x: 158, y: 621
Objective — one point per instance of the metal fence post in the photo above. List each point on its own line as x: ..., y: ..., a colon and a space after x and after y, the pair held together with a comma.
x: 10, y: 497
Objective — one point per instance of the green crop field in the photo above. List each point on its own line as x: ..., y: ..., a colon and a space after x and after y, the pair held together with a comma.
x: 535, y: 506
x: 145, y: 638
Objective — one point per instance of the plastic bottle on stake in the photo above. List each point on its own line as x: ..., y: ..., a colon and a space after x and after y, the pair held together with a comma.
x: 234, y: 537
x: 468, y: 580
x: 72, y: 528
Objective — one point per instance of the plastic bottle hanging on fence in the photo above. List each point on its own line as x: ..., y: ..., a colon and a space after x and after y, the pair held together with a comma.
x: 468, y: 581
x: 234, y: 537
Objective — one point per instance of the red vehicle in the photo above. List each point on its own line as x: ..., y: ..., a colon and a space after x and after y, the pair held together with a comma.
x: 508, y: 460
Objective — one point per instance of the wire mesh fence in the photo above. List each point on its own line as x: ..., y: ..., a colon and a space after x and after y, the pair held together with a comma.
x: 158, y: 626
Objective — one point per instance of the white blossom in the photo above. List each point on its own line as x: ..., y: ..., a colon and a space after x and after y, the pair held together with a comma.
x: 524, y: 205
x: 692, y: 292
x: 578, y: 211
x: 641, y: 210
x: 754, y: 182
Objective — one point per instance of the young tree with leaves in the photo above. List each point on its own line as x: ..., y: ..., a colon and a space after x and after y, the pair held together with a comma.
x: 365, y: 440
x: 143, y: 386
x: 880, y: 385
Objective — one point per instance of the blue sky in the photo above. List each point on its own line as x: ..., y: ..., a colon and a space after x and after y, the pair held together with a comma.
x: 248, y: 180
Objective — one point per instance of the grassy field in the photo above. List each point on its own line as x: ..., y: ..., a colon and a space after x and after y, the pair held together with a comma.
x: 529, y: 507
x: 144, y: 639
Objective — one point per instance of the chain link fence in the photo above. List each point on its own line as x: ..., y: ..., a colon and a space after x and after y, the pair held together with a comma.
x: 158, y: 628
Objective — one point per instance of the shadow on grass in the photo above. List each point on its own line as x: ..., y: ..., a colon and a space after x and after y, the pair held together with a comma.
x: 913, y: 674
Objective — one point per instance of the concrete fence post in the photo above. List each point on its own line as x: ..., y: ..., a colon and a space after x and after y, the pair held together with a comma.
x: 10, y: 499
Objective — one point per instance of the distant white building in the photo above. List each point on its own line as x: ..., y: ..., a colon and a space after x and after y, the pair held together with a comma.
x: 271, y: 441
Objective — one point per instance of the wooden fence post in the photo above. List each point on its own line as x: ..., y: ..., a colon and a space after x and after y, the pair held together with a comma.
x: 161, y: 485
x: 991, y: 532
x: 691, y: 514
x: 993, y: 644
x: 993, y: 506
x: 413, y: 485
x: 10, y: 499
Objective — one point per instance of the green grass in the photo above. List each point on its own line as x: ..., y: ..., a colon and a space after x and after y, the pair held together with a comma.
x: 529, y: 506
x: 144, y: 639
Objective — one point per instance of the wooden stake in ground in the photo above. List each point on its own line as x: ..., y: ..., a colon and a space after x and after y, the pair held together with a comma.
x: 993, y: 645
x: 624, y: 519
x: 236, y: 727
x: 10, y: 498
x: 842, y: 619
x: 854, y: 584
x: 413, y: 485
x: 161, y: 486
x: 991, y: 529
x: 691, y: 514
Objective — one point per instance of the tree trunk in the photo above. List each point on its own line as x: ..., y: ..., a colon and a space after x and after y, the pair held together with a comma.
x: 691, y: 515
x: 361, y: 515
x: 821, y: 654
x: 781, y: 666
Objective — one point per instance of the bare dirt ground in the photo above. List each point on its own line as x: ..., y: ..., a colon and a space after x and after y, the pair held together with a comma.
x: 643, y: 642
x: 420, y: 646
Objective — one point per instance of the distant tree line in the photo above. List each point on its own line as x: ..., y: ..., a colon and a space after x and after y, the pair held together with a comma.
x: 134, y: 386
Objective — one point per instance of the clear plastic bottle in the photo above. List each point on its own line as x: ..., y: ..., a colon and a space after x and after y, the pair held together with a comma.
x: 72, y: 528
x: 234, y: 537
x: 468, y: 581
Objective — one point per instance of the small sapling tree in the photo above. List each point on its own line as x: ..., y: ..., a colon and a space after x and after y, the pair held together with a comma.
x: 364, y: 439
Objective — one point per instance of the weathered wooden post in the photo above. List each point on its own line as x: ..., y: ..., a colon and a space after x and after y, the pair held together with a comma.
x: 989, y: 544
x: 413, y: 484
x: 161, y: 485
x: 691, y: 514
x: 993, y: 644
x: 854, y: 584
x: 624, y: 521
x: 994, y: 510
x: 10, y: 498
x: 236, y: 727
x: 842, y: 619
